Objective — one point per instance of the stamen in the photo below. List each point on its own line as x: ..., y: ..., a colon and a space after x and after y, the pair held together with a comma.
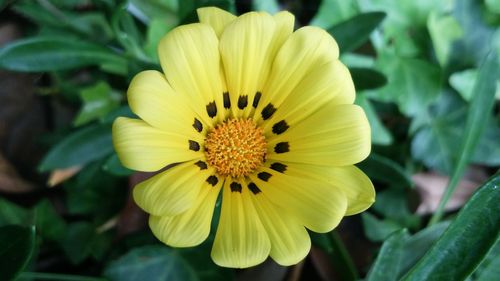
x: 235, y: 148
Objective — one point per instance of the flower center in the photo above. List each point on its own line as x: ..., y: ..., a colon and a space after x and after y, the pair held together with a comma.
x: 235, y: 147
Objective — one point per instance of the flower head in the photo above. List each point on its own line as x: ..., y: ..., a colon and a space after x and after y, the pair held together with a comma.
x: 248, y: 108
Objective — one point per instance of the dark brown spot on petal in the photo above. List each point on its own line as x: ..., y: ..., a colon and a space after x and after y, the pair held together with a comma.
x: 227, y: 101
x: 280, y: 127
x: 264, y: 176
x: 235, y: 187
x: 213, y: 180
x: 268, y: 111
x: 253, y: 188
x: 282, y: 147
x: 242, y: 102
x: 202, y: 165
x: 256, y: 99
x: 193, y: 145
x: 212, y: 109
x: 197, y: 125
x: 278, y: 167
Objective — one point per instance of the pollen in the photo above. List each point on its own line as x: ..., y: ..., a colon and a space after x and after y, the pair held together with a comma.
x: 235, y: 147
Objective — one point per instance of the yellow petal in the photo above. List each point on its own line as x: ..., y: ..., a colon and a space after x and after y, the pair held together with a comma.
x: 284, y: 28
x: 241, y: 240
x: 172, y: 191
x: 290, y: 241
x: 356, y: 186
x: 153, y: 99
x: 144, y: 148
x: 245, y: 48
x: 330, y: 82
x: 303, y: 51
x: 189, y: 57
x: 192, y: 227
x: 315, y: 204
x: 217, y: 18
x: 337, y: 135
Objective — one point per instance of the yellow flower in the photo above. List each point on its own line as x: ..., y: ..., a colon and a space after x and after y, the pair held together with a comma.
x: 247, y: 106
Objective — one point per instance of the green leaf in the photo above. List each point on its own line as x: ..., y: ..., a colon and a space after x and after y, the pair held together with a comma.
x: 82, y: 240
x: 95, y: 192
x: 355, y: 60
x: 11, y: 213
x: 389, y: 258
x: 147, y: 10
x: 478, y: 39
x: 489, y: 269
x: 85, y: 25
x: 127, y: 33
x: 153, y: 263
x: 115, y: 167
x: 50, y: 54
x: 270, y: 6
x: 77, y: 243
x: 393, y: 204
x: 98, y: 101
x: 413, y: 84
x: 418, y: 244
x: 201, y: 262
x: 385, y: 170
x: 187, y: 9
x: 331, y: 12
x: 16, y: 246
x: 352, y: 33
x: 435, y: 141
x: 493, y: 5
x: 378, y: 230
x: 157, y: 28
x: 466, y: 241
x: 444, y: 30
x: 408, y: 249
x: 403, y: 31
x: 463, y: 82
x: 380, y: 135
x: 337, y: 253
x: 479, y: 113
x: 48, y: 223
x: 366, y: 78
x: 79, y: 148
x: 492, y: 271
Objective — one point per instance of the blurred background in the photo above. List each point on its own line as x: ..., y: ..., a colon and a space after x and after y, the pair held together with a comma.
x: 426, y: 73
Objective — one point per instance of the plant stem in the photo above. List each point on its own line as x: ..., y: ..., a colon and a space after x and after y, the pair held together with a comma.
x: 341, y: 258
x: 57, y: 276
x: 477, y: 116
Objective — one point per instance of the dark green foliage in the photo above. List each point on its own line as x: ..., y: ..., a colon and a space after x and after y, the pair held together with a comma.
x: 426, y: 75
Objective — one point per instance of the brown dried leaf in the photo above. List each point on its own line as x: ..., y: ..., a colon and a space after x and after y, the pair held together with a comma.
x: 10, y: 181
x: 431, y: 187
x: 61, y: 175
